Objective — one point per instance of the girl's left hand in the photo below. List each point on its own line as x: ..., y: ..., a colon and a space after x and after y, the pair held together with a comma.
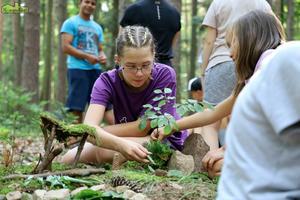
x: 159, y: 134
x: 133, y: 151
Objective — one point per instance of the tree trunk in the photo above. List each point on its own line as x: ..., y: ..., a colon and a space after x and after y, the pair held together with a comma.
x: 115, y: 31
x: 1, y: 36
x: 290, y: 20
x: 278, y: 9
x: 177, y: 53
x: 30, y: 63
x: 193, y: 54
x: 46, y: 91
x: 122, y: 6
x: 18, y: 46
x: 97, y: 12
x: 62, y: 58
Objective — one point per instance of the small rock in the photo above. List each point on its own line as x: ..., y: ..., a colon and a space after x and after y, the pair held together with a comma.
x: 128, y: 194
x: 14, y: 186
x: 160, y: 172
x: 13, y: 195
x: 196, y: 146
x: 122, y: 189
x: 176, y: 186
x: 179, y: 161
x: 2, y: 197
x: 39, y: 194
x: 139, y: 196
x: 98, y: 187
x: 57, y: 194
x: 26, y: 196
x: 77, y: 190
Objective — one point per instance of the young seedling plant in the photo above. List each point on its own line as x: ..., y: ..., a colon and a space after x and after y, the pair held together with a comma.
x: 159, y: 118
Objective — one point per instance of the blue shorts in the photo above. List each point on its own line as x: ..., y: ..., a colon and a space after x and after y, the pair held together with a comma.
x: 80, y: 84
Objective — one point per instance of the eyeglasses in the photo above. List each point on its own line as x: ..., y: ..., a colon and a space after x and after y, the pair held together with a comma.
x: 133, y: 70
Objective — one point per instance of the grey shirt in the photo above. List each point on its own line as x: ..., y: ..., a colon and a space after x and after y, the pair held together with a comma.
x: 262, y: 157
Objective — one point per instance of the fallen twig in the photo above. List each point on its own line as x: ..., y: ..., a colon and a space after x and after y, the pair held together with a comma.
x: 71, y: 172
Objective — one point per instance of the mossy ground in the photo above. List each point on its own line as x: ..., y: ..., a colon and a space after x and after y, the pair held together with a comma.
x: 194, y: 186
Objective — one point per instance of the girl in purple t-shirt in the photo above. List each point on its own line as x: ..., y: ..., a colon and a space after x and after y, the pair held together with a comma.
x: 249, y: 39
x: 128, y: 88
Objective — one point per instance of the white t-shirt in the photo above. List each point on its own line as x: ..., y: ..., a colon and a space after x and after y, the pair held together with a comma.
x: 262, y: 159
x: 220, y: 15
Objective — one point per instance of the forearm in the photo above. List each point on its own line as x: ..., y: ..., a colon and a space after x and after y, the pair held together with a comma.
x: 69, y: 49
x: 129, y: 129
x: 208, y: 116
x: 107, y: 140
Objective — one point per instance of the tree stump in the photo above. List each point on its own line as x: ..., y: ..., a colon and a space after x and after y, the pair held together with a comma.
x: 53, y: 129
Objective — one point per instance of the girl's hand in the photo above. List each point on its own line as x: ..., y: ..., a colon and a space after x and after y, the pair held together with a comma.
x: 212, y: 157
x: 159, y: 134
x: 133, y: 151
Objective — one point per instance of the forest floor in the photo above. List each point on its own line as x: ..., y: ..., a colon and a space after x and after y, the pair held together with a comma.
x: 173, y: 186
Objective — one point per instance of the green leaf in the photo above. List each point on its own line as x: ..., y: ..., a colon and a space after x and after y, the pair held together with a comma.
x: 180, y: 111
x: 142, y: 124
x: 151, y: 169
x: 158, y: 91
x: 156, y: 108
x: 158, y: 98
x: 192, y: 101
x: 167, y: 129
x: 154, y: 123
x: 167, y: 90
x: 151, y: 160
x: 177, y: 105
x: 150, y: 114
x: 147, y: 106
x: 191, y: 108
x: 171, y: 98
x: 162, y: 121
x: 198, y: 107
x: 161, y: 103
x: 87, y: 193
x: 111, y: 195
x: 76, y: 180
x: 185, y: 102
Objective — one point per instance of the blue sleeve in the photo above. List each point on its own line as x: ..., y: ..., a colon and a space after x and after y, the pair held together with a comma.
x: 100, y: 38
x: 68, y: 27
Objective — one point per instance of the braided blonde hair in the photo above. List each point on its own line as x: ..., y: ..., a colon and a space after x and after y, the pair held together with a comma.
x: 135, y: 37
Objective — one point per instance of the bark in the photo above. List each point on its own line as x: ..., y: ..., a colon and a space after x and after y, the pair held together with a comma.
x: 46, y: 91
x: 290, y: 20
x: 115, y: 31
x: 122, y: 6
x: 61, y: 89
x: 1, y: 36
x: 278, y: 8
x: 18, y: 45
x: 193, y: 54
x: 30, y: 63
x: 177, y: 54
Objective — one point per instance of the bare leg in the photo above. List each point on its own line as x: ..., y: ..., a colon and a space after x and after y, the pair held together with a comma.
x: 94, y: 154
x: 210, y: 135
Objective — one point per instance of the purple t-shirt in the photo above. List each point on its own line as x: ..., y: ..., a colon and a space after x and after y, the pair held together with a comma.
x: 128, y: 105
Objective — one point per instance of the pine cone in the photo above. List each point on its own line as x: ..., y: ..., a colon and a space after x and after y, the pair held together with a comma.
x: 118, y: 181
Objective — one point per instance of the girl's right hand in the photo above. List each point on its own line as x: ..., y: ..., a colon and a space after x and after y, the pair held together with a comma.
x: 133, y: 151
